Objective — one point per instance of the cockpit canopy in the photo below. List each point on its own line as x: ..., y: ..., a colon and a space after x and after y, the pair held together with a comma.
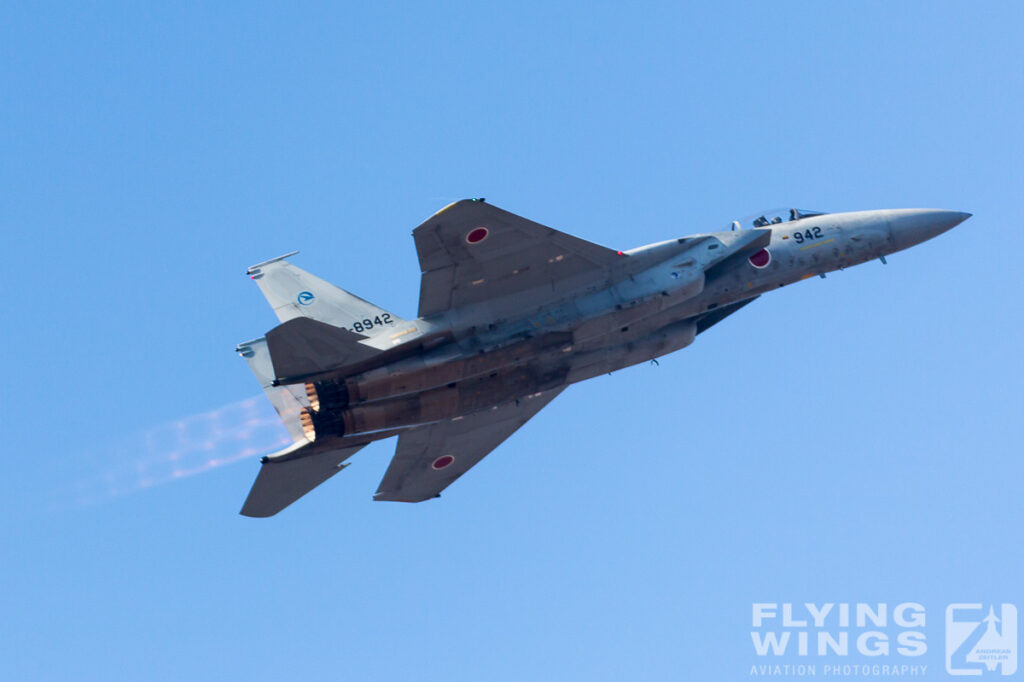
x: 774, y: 217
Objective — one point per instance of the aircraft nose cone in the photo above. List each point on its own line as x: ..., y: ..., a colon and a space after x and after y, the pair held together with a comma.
x: 914, y: 225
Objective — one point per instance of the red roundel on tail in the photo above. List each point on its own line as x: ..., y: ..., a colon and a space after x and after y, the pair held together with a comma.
x: 442, y: 462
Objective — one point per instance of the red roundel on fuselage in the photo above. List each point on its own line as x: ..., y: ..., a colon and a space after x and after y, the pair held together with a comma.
x: 442, y: 462
x: 761, y: 259
x: 477, y: 235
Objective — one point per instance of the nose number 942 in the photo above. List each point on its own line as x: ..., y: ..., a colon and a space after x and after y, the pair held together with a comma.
x: 807, y: 235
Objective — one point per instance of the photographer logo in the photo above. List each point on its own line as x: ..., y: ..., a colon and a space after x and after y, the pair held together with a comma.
x: 981, y: 639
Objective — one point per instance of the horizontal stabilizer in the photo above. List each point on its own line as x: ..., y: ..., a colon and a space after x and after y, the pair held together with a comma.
x: 283, y: 480
x: 303, y: 347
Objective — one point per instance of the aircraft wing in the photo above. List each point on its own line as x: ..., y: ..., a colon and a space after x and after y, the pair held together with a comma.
x: 429, y: 458
x: 471, y: 252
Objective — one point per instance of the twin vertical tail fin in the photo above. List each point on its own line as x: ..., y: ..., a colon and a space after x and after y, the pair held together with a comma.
x: 323, y: 327
x: 293, y: 292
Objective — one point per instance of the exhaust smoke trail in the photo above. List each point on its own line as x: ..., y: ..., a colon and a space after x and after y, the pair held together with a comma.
x: 182, y: 448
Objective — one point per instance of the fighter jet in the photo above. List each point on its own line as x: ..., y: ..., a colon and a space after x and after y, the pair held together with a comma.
x: 511, y: 313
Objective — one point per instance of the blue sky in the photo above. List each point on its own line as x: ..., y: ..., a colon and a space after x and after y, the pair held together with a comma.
x: 856, y: 439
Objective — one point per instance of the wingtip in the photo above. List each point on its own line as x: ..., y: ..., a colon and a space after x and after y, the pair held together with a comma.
x: 253, y: 514
x: 479, y: 200
x: 443, y: 209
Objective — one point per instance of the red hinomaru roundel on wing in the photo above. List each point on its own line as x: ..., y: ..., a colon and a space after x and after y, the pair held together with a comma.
x: 477, y: 235
x: 442, y: 462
